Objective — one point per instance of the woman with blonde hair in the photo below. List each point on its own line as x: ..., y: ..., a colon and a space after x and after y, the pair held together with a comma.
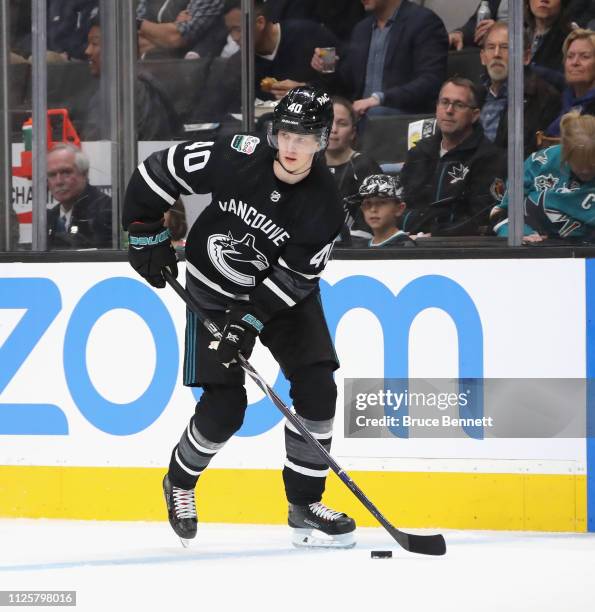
x: 559, y: 186
x: 579, y: 73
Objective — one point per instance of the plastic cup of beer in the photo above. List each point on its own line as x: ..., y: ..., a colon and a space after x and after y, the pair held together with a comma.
x: 328, y: 55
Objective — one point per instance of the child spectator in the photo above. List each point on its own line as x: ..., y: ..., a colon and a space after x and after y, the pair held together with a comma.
x: 383, y: 208
x: 559, y: 186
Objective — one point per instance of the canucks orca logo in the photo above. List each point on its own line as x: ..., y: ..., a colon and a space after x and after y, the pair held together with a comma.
x: 224, y: 249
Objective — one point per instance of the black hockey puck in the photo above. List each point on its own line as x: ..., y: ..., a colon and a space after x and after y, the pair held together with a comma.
x: 381, y: 554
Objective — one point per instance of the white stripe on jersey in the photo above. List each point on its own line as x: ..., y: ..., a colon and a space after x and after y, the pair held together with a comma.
x: 209, y: 283
x: 283, y: 264
x: 154, y: 186
x: 172, y: 169
x: 267, y: 282
x: 306, y: 471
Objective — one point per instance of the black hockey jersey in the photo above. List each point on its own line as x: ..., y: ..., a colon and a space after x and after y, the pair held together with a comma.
x: 260, y: 239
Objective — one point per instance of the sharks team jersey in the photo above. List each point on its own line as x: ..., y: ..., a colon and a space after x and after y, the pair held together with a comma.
x: 260, y: 239
x: 557, y: 204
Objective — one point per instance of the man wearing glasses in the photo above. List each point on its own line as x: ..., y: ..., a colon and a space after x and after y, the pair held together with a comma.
x: 542, y: 102
x: 452, y: 179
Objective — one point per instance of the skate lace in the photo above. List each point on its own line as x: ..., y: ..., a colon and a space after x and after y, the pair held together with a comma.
x: 184, y: 503
x: 323, y: 512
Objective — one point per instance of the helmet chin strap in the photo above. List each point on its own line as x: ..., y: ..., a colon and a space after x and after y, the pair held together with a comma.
x: 293, y: 172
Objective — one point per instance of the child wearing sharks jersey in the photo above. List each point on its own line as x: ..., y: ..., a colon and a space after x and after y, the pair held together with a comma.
x: 254, y: 258
x: 559, y: 186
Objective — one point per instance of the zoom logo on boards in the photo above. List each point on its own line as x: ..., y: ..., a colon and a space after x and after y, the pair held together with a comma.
x: 41, y: 300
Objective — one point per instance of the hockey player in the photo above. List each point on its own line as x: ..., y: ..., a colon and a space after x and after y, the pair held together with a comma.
x: 254, y: 257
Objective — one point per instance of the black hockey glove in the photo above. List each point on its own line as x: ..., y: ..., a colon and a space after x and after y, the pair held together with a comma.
x: 150, y: 250
x: 239, y: 333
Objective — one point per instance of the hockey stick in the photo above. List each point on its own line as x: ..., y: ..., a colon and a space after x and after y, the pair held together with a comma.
x: 423, y: 544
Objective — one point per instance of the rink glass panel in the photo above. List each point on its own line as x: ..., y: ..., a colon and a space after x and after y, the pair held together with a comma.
x: 204, y: 94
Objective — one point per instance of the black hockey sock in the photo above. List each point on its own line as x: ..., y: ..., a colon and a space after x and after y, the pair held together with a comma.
x: 219, y: 414
x: 190, y: 457
x: 314, y: 395
x: 304, y: 473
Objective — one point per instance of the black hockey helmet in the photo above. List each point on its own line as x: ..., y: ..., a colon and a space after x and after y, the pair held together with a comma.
x: 380, y: 186
x: 303, y: 110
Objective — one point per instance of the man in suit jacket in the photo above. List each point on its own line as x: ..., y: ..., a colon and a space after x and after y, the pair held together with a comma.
x: 396, y: 59
x: 83, y: 216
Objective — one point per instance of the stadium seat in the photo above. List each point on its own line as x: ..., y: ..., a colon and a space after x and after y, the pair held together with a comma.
x: 70, y: 85
x: 19, y: 76
x: 184, y: 80
x: 385, y: 138
x: 465, y: 63
x: 19, y: 97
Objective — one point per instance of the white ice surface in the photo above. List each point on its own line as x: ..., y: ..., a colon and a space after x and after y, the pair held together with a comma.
x: 141, y: 566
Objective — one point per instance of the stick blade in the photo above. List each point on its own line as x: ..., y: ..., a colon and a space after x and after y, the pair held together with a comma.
x: 427, y: 545
x: 420, y: 544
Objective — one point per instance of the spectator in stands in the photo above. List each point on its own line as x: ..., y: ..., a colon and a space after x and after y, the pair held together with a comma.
x: 170, y: 28
x: 473, y: 33
x: 549, y: 22
x: 348, y: 166
x: 83, y: 216
x: 283, y: 52
x: 452, y: 179
x: 579, y: 73
x: 232, y: 18
x: 339, y: 16
x: 221, y: 93
x: 68, y: 26
x: 383, y: 208
x: 156, y: 118
x: 579, y: 13
x: 559, y: 186
x: 396, y: 59
x: 67, y: 29
x: 541, y: 100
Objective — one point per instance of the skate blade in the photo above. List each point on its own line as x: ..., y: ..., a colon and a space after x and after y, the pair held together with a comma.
x: 185, y: 542
x: 312, y: 538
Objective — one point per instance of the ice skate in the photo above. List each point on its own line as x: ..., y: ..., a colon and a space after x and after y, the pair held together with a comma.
x: 181, y: 511
x: 317, y: 526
